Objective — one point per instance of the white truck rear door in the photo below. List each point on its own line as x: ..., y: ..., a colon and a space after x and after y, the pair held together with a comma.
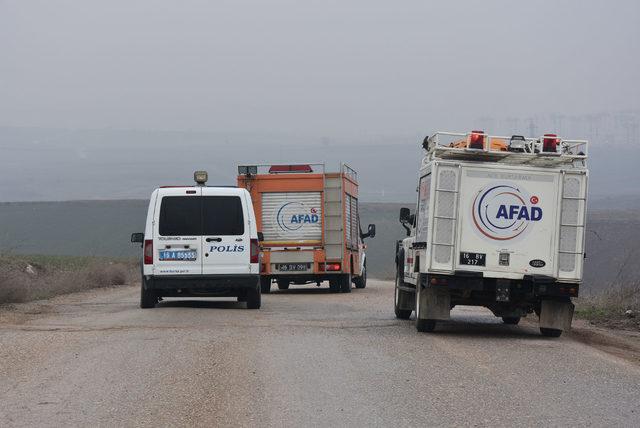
x: 226, y: 233
x: 177, y: 233
x: 508, y: 221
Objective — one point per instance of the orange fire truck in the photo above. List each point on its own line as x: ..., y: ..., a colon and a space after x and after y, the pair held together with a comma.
x: 308, y: 225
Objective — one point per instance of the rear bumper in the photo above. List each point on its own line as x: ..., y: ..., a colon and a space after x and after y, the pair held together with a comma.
x: 530, y: 287
x: 305, y: 278
x: 202, y: 285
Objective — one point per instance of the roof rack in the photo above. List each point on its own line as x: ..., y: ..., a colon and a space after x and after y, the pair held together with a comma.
x: 478, y: 146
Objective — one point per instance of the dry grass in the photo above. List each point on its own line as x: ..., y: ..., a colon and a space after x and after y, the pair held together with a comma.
x: 25, y: 278
x: 617, y: 306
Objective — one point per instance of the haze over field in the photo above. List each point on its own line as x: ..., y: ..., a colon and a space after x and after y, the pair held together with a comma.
x: 109, y: 99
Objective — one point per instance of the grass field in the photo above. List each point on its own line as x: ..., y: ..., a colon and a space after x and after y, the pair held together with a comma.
x: 31, y: 277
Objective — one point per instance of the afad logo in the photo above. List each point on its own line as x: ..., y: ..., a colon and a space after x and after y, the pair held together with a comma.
x: 504, y: 211
x: 293, y: 216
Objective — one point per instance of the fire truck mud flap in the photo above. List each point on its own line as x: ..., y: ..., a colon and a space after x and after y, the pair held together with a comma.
x: 433, y: 303
x: 556, y: 315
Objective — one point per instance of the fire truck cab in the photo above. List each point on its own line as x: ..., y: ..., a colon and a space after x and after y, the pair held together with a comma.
x: 309, y: 225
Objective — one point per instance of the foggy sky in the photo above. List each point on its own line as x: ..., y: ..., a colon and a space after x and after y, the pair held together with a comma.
x: 332, y: 68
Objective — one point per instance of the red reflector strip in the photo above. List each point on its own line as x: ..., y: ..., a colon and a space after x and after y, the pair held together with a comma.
x: 290, y: 168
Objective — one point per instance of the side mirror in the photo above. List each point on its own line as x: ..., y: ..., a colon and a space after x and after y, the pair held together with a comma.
x: 405, y: 214
x: 260, y: 236
x: 406, y: 219
x: 137, y: 238
x: 371, y: 232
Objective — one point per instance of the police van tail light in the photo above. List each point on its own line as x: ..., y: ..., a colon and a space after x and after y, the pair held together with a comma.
x: 254, y: 249
x: 148, y: 251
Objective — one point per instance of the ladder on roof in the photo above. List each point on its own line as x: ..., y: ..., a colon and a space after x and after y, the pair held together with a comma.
x: 333, y: 218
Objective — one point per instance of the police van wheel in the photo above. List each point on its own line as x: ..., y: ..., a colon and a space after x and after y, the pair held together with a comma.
x: 345, y: 283
x: 361, y: 281
x: 148, y: 298
x: 254, y: 298
x: 283, y: 285
x: 265, y: 284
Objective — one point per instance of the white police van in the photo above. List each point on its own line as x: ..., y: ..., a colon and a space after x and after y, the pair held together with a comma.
x: 200, y: 241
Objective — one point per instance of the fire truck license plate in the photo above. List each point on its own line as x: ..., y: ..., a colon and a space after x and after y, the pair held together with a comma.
x: 292, y: 267
x: 473, y: 259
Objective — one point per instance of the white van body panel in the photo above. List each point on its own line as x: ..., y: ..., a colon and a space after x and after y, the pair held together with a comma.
x: 207, y: 261
x: 229, y: 254
x: 526, y: 212
x: 175, y: 243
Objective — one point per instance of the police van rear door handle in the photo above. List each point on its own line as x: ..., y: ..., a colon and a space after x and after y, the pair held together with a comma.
x: 214, y: 239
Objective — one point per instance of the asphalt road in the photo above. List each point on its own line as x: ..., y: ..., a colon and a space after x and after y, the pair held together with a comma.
x: 308, y: 358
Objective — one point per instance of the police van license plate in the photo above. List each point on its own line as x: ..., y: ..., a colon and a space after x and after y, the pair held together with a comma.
x: 178, y: 255
x: 292, y: 267
x: 473, y: 259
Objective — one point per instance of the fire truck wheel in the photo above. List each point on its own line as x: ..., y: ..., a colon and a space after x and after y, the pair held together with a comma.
x: 550, y: 332
x: 511, y: 320
x: 148, y: 298
x: 334, y: 285
x: 265, y: 284
x: 283, y: 285
x: 425, y: 325
x: 345, y: 283
x: 254, y: 298
x: 361, y: 281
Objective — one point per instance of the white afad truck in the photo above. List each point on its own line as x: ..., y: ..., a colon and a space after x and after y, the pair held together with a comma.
x: 499, y: 223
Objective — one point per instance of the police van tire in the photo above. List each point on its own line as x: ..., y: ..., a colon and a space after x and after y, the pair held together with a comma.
x: 550, y: 332
x: 148, y: 298
x: 265, y: 284
x: 283, y: 285
x: 254, y: 299
x: 361, y: 281
x: 511, y: 320
x: 345, y: 283
x: 425, y: 326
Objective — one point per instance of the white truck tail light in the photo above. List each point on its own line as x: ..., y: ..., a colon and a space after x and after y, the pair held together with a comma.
x: 550, y: 143
x: 572, y: 221
x: 476, y: 140
x: 254, y: 249
x: 444, y: 222
x: 148, y: 251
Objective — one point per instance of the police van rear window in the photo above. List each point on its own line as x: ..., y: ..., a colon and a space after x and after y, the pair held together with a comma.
x: 207, y: 215
x: 222, y: 215
x: 180, y: 216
